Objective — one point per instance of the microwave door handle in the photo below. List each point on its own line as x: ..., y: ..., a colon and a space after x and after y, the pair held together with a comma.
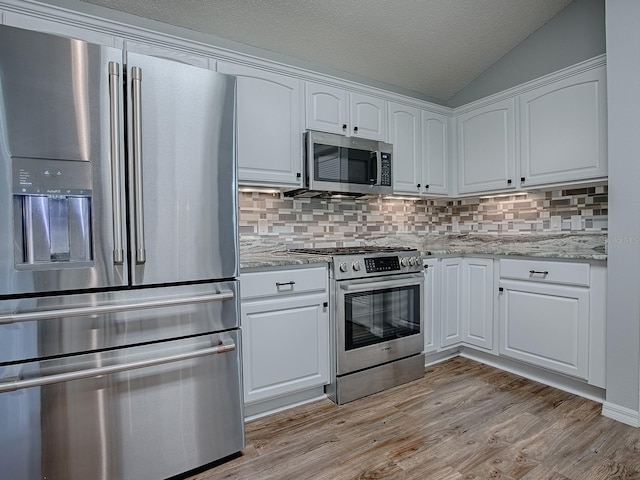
x: 374, y: 169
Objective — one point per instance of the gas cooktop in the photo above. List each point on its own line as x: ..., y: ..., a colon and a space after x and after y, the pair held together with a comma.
x: 362, y: 250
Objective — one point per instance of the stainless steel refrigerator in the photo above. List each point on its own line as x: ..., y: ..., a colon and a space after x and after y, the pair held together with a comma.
x: 119, y: 330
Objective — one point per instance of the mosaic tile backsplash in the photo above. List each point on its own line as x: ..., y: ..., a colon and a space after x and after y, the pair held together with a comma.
x: 345, y: 220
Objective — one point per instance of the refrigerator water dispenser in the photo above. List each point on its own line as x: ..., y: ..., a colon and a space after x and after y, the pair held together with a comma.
x: 52, y: 213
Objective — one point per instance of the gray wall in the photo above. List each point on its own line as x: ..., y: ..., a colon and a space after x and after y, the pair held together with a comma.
x: 623, y: 266
x: 577, y: 33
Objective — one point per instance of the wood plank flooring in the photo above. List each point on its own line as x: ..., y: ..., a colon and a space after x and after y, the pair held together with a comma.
x: 463, y: 421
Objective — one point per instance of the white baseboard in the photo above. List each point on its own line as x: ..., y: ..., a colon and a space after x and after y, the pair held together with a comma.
x: 621, y: 414
x: 270, y: 406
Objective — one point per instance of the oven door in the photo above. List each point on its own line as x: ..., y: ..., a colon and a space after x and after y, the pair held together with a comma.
x: 378, y: 321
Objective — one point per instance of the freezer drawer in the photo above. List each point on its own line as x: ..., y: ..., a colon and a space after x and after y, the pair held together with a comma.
x: 33, y: 328
x: 138, y: 422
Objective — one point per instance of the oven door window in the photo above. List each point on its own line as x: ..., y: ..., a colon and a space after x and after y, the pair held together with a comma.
x: 344, y: 165
x: 380, y: 315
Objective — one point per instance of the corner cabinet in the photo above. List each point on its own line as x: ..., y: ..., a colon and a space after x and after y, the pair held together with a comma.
x: 269, y: 126
x: 420, y: 150
x: 563, y: 129
x: 285, y: 332
x: 487, y: 148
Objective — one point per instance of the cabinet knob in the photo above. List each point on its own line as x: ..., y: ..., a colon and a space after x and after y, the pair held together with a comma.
x: 355, y: 129
x: 298, y: 175
x: 325, y: 304
x: 344, y: 126
x: 501, y: 289
x: 418, y: 185
x: 522, y: 179
x: 426, y: 186
x: 509, y: 182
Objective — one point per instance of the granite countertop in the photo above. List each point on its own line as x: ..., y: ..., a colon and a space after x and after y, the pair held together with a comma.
x: 258, y: 253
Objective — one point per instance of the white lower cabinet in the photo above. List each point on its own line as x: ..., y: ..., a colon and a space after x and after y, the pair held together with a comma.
x: 467, y: 302
x: 285, y: 332
x: 544, y: 315
x: 477, y: 302
x: 451, y: 306
x: 431, y: 305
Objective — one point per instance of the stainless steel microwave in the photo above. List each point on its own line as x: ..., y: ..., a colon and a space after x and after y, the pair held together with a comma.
x: 335, y: 163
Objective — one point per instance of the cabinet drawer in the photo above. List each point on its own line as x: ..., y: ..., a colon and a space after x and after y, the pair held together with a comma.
x: 545, y: 271
x: 283, y: 282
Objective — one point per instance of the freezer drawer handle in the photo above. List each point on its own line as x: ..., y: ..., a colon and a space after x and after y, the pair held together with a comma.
x: 84, y: 311
x: 18, y: 384
x: 136, y: 94
x: 114, y: 124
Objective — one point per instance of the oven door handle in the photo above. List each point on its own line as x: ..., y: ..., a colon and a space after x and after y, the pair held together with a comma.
x: 404, y: 282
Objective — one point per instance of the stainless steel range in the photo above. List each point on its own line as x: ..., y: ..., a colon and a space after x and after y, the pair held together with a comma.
x: 376, y: 296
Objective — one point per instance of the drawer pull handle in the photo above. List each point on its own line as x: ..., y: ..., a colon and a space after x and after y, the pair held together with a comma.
x: 282, y: 284
x: 541, y: 273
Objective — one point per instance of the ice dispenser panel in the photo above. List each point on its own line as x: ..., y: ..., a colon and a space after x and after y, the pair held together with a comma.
x: 52, y: 213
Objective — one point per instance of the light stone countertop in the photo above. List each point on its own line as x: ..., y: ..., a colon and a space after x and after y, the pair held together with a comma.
x: 260, y: 253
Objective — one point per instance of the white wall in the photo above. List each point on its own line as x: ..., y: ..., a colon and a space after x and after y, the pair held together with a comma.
x: 623, y: 297
x: 575, y: 34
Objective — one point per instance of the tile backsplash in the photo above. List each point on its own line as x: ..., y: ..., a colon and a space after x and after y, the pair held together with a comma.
x: 314, y: 220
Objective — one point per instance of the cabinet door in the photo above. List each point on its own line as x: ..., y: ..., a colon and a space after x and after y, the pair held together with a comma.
x: 486, y: 148
x: 285, y: 346
x: 431, y: 305
x: 404, y: 134
x: 28, y: 22
x: 368, y: 117
x: 435, y: 154
x: 477, y: 302
x: 269, y: 126
x: 327, y: 108
x: 546, y: 325
x: 564, y: 130
x: 451, y: 306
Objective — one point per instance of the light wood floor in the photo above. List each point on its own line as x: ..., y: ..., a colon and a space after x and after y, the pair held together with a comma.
x: 463, y: 421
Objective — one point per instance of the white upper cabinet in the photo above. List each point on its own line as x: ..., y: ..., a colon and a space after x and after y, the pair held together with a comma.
x: 563, y: 130
x: 420, y: 150
x: 486, y: 148
x: 335, y: 110
x: 435, y: 153
x: 368, y: 117
x: 404, y: 134
x: 327, y: 108
x: 269, y: 126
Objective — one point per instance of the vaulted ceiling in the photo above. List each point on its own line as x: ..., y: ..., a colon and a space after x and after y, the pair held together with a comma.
x: 433, y: 47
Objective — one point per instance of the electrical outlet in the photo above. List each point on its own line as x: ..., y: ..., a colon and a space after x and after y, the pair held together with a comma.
x: 556, y: 223
x: 576, y: 223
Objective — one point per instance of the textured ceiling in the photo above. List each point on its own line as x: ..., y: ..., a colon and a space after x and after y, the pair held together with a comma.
x: 434, y: 47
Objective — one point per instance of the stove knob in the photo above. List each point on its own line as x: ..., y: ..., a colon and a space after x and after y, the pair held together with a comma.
x: 343, y: 266
x: 404, y: 261
x: 356, y: 265
x: 412, y: 261
x: 418, y: 260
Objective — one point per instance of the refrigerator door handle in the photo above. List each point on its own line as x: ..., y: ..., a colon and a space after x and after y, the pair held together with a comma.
x: 114, y: 123
x: 16, y: 384
x: 84, y: 311
x: 136, y: 94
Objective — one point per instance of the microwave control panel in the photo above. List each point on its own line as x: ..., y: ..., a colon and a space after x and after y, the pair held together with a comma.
x: 385, y: 171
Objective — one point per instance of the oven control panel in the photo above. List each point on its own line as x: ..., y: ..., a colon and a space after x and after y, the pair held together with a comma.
x: 346, y: 267
x: 382, y: 264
